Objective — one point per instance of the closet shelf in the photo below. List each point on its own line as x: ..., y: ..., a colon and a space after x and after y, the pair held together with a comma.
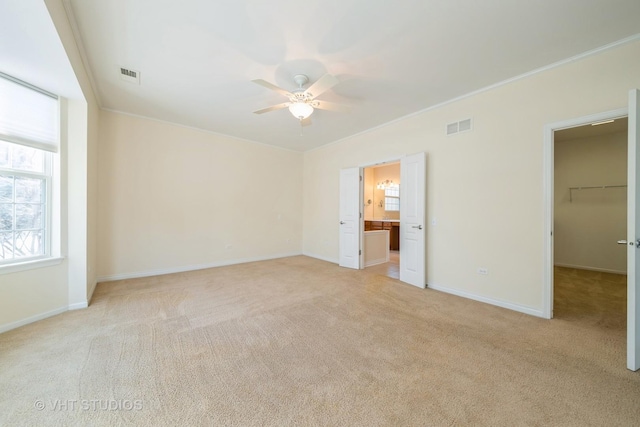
x: 601, y: 187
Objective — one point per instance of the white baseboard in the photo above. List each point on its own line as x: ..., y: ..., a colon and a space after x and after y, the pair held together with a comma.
x: 78, y: 305
x: 511, y: 306
x: 182, y: 269
x: 582, y: 267
x: 18, y: 323
x: 23, y: 322
x: 322, y: 258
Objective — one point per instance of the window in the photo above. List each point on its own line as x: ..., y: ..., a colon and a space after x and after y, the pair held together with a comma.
x: 28, y: 137
x: 24, y: 183
x: 392, y: 198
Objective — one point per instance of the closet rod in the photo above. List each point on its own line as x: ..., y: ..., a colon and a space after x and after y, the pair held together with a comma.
x: 602, y: 187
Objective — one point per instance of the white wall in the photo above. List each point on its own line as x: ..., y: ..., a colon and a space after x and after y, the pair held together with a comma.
x: 485, y: 187
x: 30, y: 295
x: 588, y: 224
x: 82, y: 169
x: 368, y: 188
x: 173, y: 198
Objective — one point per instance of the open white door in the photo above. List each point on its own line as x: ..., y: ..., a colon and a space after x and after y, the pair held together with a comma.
x: 412, y: 219
x: 350, y: 218
x: 633, y: 235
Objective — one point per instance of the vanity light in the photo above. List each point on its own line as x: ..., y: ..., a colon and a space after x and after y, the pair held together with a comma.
x: 386, y: 184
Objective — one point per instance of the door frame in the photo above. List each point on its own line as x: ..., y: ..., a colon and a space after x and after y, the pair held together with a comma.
x: 548, y: 193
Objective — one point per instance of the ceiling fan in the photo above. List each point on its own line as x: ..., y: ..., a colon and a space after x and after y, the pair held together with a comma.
x: 302, y: 101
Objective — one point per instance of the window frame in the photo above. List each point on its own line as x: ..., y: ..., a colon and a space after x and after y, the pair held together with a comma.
x: 393, y: 197
x: 53, y: 177
x: 47, y: 176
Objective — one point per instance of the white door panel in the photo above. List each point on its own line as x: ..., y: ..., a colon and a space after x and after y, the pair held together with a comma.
x: 412, y: 219
x: 350, y: 218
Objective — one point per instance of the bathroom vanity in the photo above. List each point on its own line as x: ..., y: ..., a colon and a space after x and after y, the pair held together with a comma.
x: 393, y: 225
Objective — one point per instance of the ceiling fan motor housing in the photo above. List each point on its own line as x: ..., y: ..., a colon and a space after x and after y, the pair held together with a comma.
x: 300, y: 80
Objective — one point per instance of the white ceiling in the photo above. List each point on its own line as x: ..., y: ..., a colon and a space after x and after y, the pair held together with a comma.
x: 197, y: 57
x: 31, y: 50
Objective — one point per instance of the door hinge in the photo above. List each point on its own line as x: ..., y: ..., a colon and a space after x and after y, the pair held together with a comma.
x: 359, y: 251
x: 360, y: 177
x: 360, y: 214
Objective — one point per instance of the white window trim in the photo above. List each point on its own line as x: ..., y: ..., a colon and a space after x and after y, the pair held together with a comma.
x: 31, y: 264
x: 47, y: 175
x: 52, y: 248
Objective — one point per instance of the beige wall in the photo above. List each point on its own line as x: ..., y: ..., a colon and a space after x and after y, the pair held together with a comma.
x: 383, y: 173
x: 587, y: 225
x: 173, y: 198
x: 31, y: 295
x: 484, y: 187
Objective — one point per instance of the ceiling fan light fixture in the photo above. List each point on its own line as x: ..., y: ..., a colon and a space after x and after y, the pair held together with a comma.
x: 300, y: 110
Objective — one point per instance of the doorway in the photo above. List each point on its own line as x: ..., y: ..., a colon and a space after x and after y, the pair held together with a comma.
x: 381, y: 225
x: 412, y: 233
x: 632, y: 241
x: 590, y: 216
x: 549, y: 195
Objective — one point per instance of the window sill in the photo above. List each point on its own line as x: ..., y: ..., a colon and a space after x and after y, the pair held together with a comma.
x: 30, y: 265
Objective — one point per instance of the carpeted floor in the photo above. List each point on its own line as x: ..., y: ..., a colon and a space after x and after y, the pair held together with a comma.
x: 298, y: 341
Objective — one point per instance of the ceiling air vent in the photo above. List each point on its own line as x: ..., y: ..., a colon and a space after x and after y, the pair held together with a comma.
x: 130, y: 76
x: 457, y: 127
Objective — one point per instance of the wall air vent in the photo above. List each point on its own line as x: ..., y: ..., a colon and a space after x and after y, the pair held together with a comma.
x: 130, y: 76
x: 457, y: 127
x: 452, y: 128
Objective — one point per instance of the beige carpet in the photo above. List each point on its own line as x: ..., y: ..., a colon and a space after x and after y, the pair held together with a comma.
x: 298, y: 341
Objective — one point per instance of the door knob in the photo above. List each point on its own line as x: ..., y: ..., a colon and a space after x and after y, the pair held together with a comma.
x: 624, y: 242
x: 419, y: 227
x: 341, y: 222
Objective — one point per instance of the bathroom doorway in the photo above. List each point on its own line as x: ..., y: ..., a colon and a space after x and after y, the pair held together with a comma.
x: 381, y: 214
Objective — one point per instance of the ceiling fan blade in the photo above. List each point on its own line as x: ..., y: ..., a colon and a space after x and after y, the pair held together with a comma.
x: 323, y: 84
x: 273, y: 108
x: 271, y: 86
x: 330, y: 106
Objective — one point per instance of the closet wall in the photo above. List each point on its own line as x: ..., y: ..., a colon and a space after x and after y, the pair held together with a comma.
x: 588, y: 222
